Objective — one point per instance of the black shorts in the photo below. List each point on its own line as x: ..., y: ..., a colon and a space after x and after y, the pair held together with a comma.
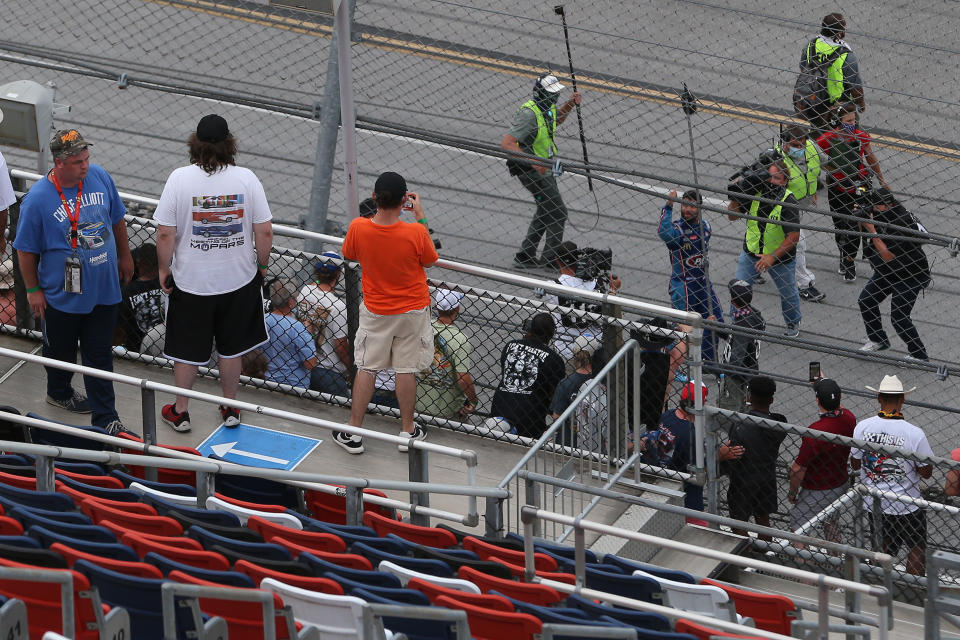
x: 234, y: 319
x: 755, y: 498
x: 909, y: 530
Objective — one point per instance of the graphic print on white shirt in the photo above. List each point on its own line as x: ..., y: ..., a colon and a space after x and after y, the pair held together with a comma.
x: 217, y: 222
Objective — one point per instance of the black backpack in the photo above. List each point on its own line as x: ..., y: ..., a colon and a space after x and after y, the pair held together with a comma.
x: 810, y: 96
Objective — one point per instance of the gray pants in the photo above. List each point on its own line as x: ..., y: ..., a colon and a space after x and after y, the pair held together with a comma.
x: 549, y: 219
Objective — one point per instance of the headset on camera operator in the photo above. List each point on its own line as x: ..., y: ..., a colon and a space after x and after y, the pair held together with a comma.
x: 587, y: 269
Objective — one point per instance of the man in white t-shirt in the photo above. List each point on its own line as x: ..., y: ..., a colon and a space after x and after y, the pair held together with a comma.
x: 901, y: 522
x: 325, y: 316
x: 7, y: 199
x: 214, y: 237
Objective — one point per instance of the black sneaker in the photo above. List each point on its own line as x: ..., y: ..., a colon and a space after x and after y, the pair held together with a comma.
x: 75, y: 403
x: 229, y: 416
x: 418, y: 434
x: 523, y: 261
x: 115, y: 428
x: 350, y: 443
x: 812, y: 294
x: 848, y: 270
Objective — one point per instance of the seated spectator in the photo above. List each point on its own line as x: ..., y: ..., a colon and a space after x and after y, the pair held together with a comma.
x: 568, y: 389
x: 325, y: 317
x: 385, y: 389
x: 253, y: 364
x: 291, y: 354
x: 592, y: 418
x: 446, y: 389
x: 530, y: 372
x: 142, y: 306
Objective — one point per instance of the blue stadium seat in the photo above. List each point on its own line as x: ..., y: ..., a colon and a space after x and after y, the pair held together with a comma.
x: 15, y: 459
x: 413, y: 547
x: 635, y: 618
x: 292, y: 567
x: 40, y: 499
x: 256, y: 490
x: 73, y: 517
x: 113, y: 550
x: 20, y: 541
x: 401, y: 596
x: 244, y: 534
x: 650, y: 634
x: 383, y: 544
x: 34, y: 556
x: 140, y: 597
x: 629, y: 566
x: 322, y: 567
x: 568, y: 565
x: 120, y: 495
x: 423, y: 565
x: 207, y: 516
x: 18, y: 469
x: 413, y: 628
x: 262, y: 550
x: 55, y: 439
x: 85, y: 468
x: 563, y: 551
x: 88, y: 532
x: 226, y: 578
x: 637, y: 587
x: 312, y: 524
x: 180, y: 489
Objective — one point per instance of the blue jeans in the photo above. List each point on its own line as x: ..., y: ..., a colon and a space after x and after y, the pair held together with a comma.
x: 329, y: 381
x: 94, y: 332
x: 698, y: 296
x: 784, y: 276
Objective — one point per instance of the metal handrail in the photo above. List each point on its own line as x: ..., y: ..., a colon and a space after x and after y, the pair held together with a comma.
x: 62, y: 577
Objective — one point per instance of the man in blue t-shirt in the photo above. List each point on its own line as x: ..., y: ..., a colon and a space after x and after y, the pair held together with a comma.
x: 73, y: 252
x: 671, y: 444
x: 291, y: 352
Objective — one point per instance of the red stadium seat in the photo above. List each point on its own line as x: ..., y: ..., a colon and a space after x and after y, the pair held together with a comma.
x: 10, y: 527
x: 313, y: 539
x: 202, y: 559
x: 706, y: 633
x: 519, y: 573
x: 103, y: 481
x: 487, y: 550
x: 427, y: 536
x: 256, y: 506
x: 244, y: 619
x: 495, y: 625
x: 770, y: 611
x: 137, y: 569
x: 44, y: 610
x: 528, y: 592
x: 257, y: 573
x: 434, y: 591
x: 158, y: 525
x: 168, y: 476
x: 20, y: 482
x: 182, y: 542
x: 349, y: 560
x: 330, y: 508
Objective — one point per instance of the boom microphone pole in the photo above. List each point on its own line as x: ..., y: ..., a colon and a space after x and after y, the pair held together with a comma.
x: 573, y: 79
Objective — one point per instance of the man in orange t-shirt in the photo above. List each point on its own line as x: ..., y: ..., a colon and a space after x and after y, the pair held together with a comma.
x: 395, y: 330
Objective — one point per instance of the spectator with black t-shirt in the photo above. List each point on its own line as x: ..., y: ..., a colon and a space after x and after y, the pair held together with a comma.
x: 673, y: 436
x: 141, y: 308
x: 900, y: 270
x: 753, y: 479
x: 772, y: 233
x: 530, y: 372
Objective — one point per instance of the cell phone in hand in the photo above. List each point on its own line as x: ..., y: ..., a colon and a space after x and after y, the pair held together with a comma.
x: 408, y: 203
x: 815, y: 373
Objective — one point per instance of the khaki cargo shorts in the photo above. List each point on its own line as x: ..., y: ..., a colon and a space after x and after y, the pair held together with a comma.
x: 402, y: 342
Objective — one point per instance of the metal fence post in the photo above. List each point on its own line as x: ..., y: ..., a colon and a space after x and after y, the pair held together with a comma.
x: 205, y: 488
x: 696, y: 375
x: 532, y: 498
x: 711, y: 487
x: 148, y: 406
x: 351, y: 285
x: 45, y: 474
x: 493, y: 520
x: 637, y: 370
x: 354, y: 496
x: 418, y: 472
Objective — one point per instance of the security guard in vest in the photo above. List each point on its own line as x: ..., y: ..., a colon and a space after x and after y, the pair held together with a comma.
x: 532, y: 132
x: 843, y: 74
x: 770, y: 242
x: 802, y: 158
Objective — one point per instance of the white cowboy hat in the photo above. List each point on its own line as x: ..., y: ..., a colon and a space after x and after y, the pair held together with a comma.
x: 891, y: 385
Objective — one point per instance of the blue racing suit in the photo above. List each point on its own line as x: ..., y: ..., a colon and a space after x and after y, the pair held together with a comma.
x: 690, y: 290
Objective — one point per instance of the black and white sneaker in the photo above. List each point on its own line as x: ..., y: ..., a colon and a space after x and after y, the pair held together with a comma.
x: 812, y: 294
x: 75, y: 403
x: 350, y: 443
x: 848, y: 270
x: 792, y: 330
x: 115, y: 428
x: 418, y: 434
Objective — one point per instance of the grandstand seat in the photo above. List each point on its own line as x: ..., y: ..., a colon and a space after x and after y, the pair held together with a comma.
x: 650, y: 634
x: 333, y: 508
x: 33, y: 556
x: 74, y: 517
x: 703, y: 599
x: 90, y: 480
x: 183, y: 499
x: 202, y: 559
x: 175, y: 508
x: 349, y: 560
x: 226, y: 578
x: 495, y: 625
x: 20, y: 541
x: 174, y: 541
x: 258, y: 573
x: 560, y: 615
x: 166, y: 487
x: 131, y: 568
x: 405, y: 575
x: 414, y: 548
x: 334, y: 616
x: 632, y: 617
x: 40, y: 499
x: 323, y: 567
x: 114, y: 550
x: 164, y: 474
x: 140, y: 597
x: 384, y: 544
x: 457, y: 561
x: 83, y: 468
x: 255, y: 506
x: 243, y: 513
x: 423, y: 565
x: 257, y: 490
x: 528, y: 592
x: 233, y: 532
x: 18, y: 469
x: 158, y: 525
x: 244, y: 621
x: 14, y: 459
x: 39, y: 435
x: 398, y: 594
x: 629, y: 566
x: 312, y: 524
x: 293, y: 567
x: 19, y: 481
x: 10, y: 526
x: 487, y: 550
x: 703, y: 632
x: 264, y: 550
x: 411, y: 627
x: 88, y: 532
x: 327, y: 542
x: 434, y: 591
x: 80, y: 492
x: 519, y: 572
x: 636, y: 587
x: 428, y: 536
x: 770, y: 611
x: 563, y: 551
x: 44, y: 604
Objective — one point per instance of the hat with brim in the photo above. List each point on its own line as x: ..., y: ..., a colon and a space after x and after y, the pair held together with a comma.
x: 550, y: 84
x: 891, y: 385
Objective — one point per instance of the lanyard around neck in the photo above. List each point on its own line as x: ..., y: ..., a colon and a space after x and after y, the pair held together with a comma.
x: 74, y: 214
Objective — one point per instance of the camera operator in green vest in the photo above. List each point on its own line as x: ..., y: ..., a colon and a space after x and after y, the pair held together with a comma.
x: 532, y: 132
x: 802, y: 158
x: 769, y: 245
x: 843, y: 74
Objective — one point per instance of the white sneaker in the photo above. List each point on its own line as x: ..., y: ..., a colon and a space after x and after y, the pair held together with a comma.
x: 350, y: 443
x: 870, y: 345
x: 418, y: 434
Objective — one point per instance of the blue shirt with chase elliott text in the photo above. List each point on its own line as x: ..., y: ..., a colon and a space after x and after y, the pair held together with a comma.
x: 688, y: 249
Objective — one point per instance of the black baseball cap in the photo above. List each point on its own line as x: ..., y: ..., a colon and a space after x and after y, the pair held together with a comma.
x: 390, y: 182
x: 741, y: 292
x: 828, y: 393
x: 762, y: 387
x: 212, y: 128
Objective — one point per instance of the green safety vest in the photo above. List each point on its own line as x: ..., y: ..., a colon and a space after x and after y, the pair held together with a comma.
x: 773, y: 234
x: 802, y: 185
x: 834, y: 71
x: 543, y: 144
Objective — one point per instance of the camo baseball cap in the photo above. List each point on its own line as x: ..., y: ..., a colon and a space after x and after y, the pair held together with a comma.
x: 67, y: 142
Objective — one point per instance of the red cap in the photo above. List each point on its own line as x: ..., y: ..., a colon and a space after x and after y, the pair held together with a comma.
x: 688, y: 391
